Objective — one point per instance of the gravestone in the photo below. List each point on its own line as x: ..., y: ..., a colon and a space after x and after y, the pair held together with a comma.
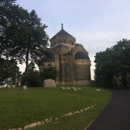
x: 8, y: 86
x: 63, y: 88
x: 49, y: 83
x: 74, y: 88
x: 24, y: 87
x: 98, y: 90
x: 13, y: 86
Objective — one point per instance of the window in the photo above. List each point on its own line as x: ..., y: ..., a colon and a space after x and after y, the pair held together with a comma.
x: 67, y: 68
x: 49, y: 66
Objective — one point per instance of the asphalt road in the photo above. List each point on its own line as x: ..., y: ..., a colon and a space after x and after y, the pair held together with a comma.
x: 116, y: 116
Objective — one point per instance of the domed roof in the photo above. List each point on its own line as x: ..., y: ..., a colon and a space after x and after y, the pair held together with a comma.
x: 62, y: 32
x: 81, y: 55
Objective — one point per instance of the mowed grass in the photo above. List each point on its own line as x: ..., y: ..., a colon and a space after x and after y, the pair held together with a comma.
x: 20, y: 107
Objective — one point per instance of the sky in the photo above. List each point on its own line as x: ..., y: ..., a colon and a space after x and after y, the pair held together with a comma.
x: 96, y: 24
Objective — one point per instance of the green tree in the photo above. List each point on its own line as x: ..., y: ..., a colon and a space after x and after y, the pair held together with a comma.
x: 11, y: 17
x: 34, y: 79
x: 113, y: 63
x: 8, y: 69
x: 7, y: 1
x: 22, y: 34
x: 123, y: 47
x: 49, y: 73
x: 8, y: 65
x: 104, y: 72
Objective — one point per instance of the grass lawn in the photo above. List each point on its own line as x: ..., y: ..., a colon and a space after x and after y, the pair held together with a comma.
x: 20, y: 107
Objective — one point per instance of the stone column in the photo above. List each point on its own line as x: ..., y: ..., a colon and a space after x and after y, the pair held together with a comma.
x: 62, y: 70
x: 57, y: 68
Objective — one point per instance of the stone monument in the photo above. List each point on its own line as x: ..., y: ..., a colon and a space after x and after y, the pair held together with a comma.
x: 49, y: 83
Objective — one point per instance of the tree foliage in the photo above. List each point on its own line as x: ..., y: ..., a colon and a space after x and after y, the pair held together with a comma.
x: 113, y: 64
x: 8, y: 69
x: 35, y: 78
x: 6, y: 1
x: 22, y: 35
x: 49, y: 73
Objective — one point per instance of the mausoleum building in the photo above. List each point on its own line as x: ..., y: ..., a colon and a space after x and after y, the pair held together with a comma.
x: 70, y: 59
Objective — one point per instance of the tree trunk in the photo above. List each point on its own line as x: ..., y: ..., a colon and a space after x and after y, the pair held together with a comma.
x: 26, y: 70
x: 124, y: 79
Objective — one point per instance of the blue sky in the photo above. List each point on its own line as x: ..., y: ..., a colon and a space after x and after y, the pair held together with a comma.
x: 96, y: 24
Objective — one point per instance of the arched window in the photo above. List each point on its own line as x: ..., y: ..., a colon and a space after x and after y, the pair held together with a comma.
x: 49, y: 66
x: 67, y: 68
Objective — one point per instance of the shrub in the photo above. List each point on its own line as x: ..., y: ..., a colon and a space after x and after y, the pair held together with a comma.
x: 49, y: 73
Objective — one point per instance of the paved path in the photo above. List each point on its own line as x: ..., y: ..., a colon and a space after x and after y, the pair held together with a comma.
x: 116, y: 116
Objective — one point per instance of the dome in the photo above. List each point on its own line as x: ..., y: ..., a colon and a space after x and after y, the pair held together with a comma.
x: 81, y: 55
x: 61, y: 33
x: 62, y: 37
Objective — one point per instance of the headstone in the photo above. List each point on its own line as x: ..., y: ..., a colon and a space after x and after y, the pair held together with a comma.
x: 49, y: 83
x: 19, y: 83
x: 68, y: 88
x: 74, y: 88
x: 8, y: 86
x: 24, y: 87
x: 13, y: 86
x: 98, y: 90
x: 63, y: 88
